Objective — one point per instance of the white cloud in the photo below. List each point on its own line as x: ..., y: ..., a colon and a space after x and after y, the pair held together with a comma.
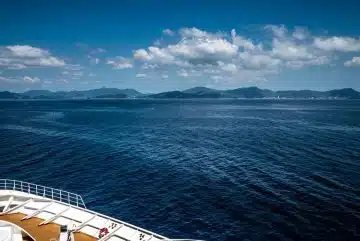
x: 140, y: 75
x: 73, y: 67
x: 142, y: 55
x: 194, y: 52
x: 8, y: 79
x: 193, y: 33
x: 289, y: 50
x: 258, y: 60
x: 189, y: 52
x: 241, y: 42
x: 164, y: 76
x: 182, y: 73
x: 342, y: 44
x: 300, y: 33
x: 16, y: 66
x: 97, y: 51
x: 149, y: 66
x: 78, y: 74
x: 46, y: 62
x: 278, y: 31
x: 354, y: 62
x: 27, y: 51
x: 227, y: 67
x: 120, y: 63
x: 93, y: 60
x: 298, y: 64
x: 31, y: 80
x: 23, y: 56
x: 168, y: 32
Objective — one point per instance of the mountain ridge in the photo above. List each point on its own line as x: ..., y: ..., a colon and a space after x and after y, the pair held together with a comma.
x: 192, y: 93
x: 257, y: 93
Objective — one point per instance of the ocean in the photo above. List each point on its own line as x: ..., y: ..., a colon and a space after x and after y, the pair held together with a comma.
x: 205, y: 169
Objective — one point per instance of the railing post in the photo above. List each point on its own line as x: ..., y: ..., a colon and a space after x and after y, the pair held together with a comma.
x: 5, y: 184
x: 52, y: 193
x: 77, y: 200
x: 36, y: 189
x: 14, y: 186
x: 21, y: 186
x: 44, y: 191
x: 69, y: 198
x: 29, y: 188
x: 60, y: 195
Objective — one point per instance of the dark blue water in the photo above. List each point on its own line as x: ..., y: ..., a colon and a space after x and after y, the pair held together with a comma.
x: 207, y: 169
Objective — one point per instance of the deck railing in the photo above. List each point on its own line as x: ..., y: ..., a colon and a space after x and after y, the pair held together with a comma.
x: 48, y: 192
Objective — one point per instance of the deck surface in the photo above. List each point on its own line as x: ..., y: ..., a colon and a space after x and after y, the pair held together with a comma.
x: 45, y: 232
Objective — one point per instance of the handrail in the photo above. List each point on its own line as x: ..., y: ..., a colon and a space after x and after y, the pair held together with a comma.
x: 39, y: 190
x: 74, y: 200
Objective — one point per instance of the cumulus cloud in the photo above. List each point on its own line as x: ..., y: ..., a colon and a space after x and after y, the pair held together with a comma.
x: 194, y: 33
x: 342, y: 44
x: 24, y: 56
x: 196, y: 52
x: 27, y: 51
x: 260, y: 60
x: 182, y: 73
x: 31, y: 80
x: 142, y: 55
x: 141, y: 75
x: 46, y: 61
x: 120, y: 63
x: 196, y: 47
x: 168, y: 32
x: 300, y: 33
x: 242, y: 42
x: 290, y: 50
x: 354, y: 62
x: 278, y: 31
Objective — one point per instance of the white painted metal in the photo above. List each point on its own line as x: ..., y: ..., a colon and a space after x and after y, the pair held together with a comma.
x: 54, y: 217
x: 37, y: 211
x: 64, y: 213
x: 52, y: 193
x: 17, y: 207
x: 11, y: 198
x: 83, y: 224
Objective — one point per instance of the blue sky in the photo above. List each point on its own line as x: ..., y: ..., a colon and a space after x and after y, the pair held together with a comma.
x: 158, y: 45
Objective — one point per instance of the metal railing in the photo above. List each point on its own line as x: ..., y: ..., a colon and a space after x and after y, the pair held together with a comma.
x: 48, y: 192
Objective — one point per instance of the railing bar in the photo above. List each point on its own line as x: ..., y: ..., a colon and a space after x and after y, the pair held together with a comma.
x: 72, y: 198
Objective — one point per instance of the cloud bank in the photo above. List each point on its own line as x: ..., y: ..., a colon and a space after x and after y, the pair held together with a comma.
x: 25, y: 56
x: 192, y: 52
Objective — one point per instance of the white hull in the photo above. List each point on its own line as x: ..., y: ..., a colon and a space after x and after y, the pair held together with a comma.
x: 38, y: 202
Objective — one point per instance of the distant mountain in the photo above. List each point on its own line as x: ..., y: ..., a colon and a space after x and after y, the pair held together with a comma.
x: 10, y: 95
x: 95, y: 93
x: 344, y: 93
x: 254, y: 92
x: 251, y: 92
x: 115, y: 96
x: 199, y: 90
x: 35, y: 93
x: 184, y: 95
x: 193, y: 93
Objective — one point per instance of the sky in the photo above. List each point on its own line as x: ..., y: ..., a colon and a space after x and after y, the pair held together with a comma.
x: 155, y: 46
